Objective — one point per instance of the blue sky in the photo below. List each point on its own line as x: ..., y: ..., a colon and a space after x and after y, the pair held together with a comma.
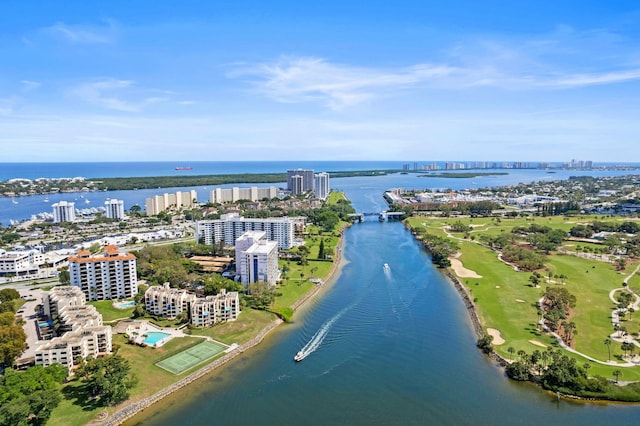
x: 371, y: 80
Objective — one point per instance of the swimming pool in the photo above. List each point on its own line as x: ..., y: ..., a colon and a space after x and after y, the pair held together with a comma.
x: 154, y: 337
x: 124, y: 305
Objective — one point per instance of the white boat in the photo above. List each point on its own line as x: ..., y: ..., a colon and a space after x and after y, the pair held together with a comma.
x: 86, y: 201
x: 386, y: 266
x: 299, y: 356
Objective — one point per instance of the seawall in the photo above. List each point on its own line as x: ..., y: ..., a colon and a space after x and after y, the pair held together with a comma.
x: 130, y: 410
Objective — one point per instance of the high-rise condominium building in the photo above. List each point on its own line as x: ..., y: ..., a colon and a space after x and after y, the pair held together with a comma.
x: 256, y: 258
x: 321, y: 185
x: 109, y: 276
x: 307, y: 179
x: 296, y: 185
x: 64, y: 211
x: 231, y: 195
x: 179, y: 200
x: 231, y: 226
x: 115, y: 209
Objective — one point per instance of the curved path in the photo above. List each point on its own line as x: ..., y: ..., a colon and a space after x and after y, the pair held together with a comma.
x: 614, y: 316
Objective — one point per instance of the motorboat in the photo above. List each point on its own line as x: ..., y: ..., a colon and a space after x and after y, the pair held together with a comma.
x: 299, y: 356
x: 386, y: 266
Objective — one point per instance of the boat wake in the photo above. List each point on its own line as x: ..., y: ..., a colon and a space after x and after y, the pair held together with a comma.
x: 318, y: 338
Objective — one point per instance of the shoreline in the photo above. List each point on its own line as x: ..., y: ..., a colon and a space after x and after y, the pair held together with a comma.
x: 479, y: 332
x: 125, y: 413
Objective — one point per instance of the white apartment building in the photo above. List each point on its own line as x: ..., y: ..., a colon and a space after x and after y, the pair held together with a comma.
x: 88, y: 342
x: 203, y: 311
x: 58, y: 297
x: 167, y: 302
x: 321, y: 185
x: 231, y: 195
x: 179, y: 200
x: 114, y: 209
x: 256, y: 258
x: 111, y: 275
x: 210, y: 310
x: 84, y: 335
x: 20, y: 262
x: 231, y: 226
x: 64, y: 211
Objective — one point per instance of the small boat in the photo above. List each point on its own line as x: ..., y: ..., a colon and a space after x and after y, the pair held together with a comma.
x: 299, y: 356
x: 184, y: 168
x: 14, y: 201
x: 46, y: 200
x: 86, y: 201
x: 386, y: 266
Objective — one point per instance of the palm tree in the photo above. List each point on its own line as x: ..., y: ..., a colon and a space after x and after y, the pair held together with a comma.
x: 617, y: 375
x: 607, y: 342
x: 569, y: 331
x: 511, y: 351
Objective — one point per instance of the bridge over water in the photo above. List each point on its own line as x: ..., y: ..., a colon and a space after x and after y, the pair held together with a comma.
x: 382, y: 216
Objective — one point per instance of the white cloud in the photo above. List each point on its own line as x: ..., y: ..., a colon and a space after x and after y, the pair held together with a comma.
x: 115, y: 94
x: 293, y: 80
x: 83, y: 34
x: 563, y: 59
x: 30, y: 85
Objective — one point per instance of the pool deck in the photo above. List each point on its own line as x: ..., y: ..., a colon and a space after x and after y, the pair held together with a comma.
x: 142, y: 327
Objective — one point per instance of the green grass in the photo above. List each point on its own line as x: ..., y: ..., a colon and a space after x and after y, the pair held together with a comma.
x: 248, y: 324
x: 334, y: 197
x: 76, y: 409
x: 109, y: 313
x: 506, y: 300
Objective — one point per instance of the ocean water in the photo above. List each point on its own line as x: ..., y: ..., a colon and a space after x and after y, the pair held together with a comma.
x: 369, y: 187
x: 165, y: 168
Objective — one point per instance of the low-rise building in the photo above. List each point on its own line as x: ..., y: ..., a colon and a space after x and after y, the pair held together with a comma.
x: 167, y: 302
x: 20, y: 262
x: 85, y: 343
x: 210, y: 310
x: 82, y: 333
x: 54, y: 300
x: 170, y: 302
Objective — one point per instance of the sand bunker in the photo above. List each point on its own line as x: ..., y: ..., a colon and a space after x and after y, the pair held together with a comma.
x: 461, y: 271
x: 497, y: 338
x: 535, y: 342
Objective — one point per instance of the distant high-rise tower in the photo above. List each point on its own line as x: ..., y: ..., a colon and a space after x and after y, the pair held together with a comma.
x: 115, y: 209
x: 321, y: 184
x: 296, y: 185
x: 64, y: 211
x: 307, y: 179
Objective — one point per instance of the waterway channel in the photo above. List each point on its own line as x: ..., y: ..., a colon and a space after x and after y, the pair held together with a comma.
x: 397, y: 348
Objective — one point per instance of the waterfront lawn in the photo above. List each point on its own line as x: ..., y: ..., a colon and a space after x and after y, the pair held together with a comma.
x: 335, y: 196
x: 77, y: 409
x: 109, y: 313
x: 248, y: 325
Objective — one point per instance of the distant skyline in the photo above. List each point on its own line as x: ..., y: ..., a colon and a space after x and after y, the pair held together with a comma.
x: 333, y: 80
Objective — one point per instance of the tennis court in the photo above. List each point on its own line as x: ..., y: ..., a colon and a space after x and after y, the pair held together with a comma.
x: 191, y: 357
